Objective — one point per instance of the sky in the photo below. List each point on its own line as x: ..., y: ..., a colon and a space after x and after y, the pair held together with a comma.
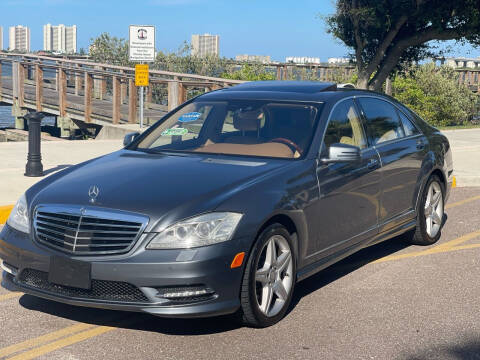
x: 278, y: 28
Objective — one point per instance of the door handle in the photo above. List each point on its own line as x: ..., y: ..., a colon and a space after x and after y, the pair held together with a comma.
x: 372, y: 163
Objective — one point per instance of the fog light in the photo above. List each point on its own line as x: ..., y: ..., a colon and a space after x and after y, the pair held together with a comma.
x: 8, y: 268
x: 181, y: 293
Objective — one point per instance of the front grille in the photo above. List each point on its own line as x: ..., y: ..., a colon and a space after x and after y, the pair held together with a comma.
x: 86, y: 231
x: 101, y: 289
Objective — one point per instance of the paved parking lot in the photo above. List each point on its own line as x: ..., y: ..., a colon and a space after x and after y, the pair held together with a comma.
x: 390, y: 301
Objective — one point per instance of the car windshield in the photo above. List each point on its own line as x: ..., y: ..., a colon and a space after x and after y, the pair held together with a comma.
x: 234, y: 127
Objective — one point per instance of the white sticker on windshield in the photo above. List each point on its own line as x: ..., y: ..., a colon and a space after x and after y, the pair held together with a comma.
x: 175, y: 132
x: 189, y: 117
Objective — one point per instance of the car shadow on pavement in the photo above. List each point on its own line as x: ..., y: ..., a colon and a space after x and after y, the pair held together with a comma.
x: 204, y: 326
x: 468, y: 349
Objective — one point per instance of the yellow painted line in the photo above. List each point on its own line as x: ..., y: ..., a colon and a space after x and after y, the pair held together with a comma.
x: 48, y: 348
x: 28, y: 344
x: 70, y: 340
x: 5, y: 213
x: 458, y: 203
x: 448, y: 246
x: 10, y: 296
x: 454, y: 182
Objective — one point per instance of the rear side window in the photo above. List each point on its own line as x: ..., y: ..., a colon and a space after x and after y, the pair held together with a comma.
x: 383, y: 123
x: 345, y: 126
x: 408, y: 127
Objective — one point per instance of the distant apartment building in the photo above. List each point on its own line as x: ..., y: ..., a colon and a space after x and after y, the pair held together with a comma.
x: 264, y: 59
x: 302, y: 60
x: 458, y: 63
x: 1, y: 38
x: 61, y: 38
x: 206, y: 44
x: 338, y: 61
x: 19, y: 38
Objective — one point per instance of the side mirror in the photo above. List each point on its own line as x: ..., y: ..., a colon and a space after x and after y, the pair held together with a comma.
x: 128, y: 139
x: 342, y: 153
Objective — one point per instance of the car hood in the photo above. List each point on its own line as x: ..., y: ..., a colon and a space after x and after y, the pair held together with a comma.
x: 161, y: 186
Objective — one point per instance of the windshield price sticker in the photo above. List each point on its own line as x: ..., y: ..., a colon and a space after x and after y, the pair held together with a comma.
x: 175, y: 132
x: 189, y: 117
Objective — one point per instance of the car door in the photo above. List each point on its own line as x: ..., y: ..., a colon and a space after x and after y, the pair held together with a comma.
x: 401, y: 147
x: 347, y: 210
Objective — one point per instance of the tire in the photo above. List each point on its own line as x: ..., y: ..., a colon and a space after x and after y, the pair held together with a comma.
x: 262, y: 278
x: 427, y: 230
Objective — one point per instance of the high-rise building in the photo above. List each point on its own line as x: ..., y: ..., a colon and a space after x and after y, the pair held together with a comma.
x: 264, y: 59
x: 1, y: 38
x: 302, y: 60
x: 19, y: 38
x: 60, y: 38
x: 206, y: 44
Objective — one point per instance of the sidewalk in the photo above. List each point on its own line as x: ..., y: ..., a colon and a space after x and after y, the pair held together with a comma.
x: 465, y: 145
x: 57, y: 155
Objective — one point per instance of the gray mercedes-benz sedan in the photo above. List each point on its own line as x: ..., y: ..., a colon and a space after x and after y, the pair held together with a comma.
x: 230, y: 200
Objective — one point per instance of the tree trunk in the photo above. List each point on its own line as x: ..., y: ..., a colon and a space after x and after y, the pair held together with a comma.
x: 362, y: 82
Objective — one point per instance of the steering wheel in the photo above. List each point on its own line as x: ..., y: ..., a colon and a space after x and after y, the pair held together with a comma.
x: 289, y: 143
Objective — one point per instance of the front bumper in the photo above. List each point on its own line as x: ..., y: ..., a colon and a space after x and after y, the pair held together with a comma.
x: 148, y: 272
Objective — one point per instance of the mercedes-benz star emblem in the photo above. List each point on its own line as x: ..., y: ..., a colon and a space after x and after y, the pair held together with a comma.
x: 93, y: 193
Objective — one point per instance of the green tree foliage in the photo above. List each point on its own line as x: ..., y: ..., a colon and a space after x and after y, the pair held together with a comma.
x: 183, y: 62
x: 250, y: 72
x: 436, y: 95
x: 109, y: 50
x: 385, y: 34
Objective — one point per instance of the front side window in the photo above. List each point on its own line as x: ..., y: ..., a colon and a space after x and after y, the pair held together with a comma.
x: 383, y: 123
x: 236, y: 127
x: 345, y: 127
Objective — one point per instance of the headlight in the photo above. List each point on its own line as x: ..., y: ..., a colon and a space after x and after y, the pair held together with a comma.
x: 202, y: 230
x: 18, y: 218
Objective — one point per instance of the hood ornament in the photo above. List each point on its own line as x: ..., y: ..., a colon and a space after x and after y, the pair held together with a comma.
x: 93, y: 193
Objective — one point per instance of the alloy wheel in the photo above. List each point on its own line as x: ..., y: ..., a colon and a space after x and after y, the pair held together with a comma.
x: 273, y: 277
x: 433, y: 209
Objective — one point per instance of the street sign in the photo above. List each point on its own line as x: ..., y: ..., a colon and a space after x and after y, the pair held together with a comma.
x: 142, y: 43
x: 141, y: 75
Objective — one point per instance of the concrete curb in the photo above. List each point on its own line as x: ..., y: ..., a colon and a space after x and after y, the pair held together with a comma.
x: 5, y: 213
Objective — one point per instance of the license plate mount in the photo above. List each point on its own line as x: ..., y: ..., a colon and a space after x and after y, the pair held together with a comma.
x: 69, y: 272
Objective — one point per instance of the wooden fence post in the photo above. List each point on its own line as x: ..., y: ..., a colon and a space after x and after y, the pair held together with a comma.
x: 123, y: 88
x: 62, y: 92
x: 21, y: 84
x: 103, y: 86
x: 149, y: 94
x: 38, y: 87
x: 78, y: 81
x: 173, y: 94
x: 116, y: 100
x: 88, y: 97
x: 132, y: 101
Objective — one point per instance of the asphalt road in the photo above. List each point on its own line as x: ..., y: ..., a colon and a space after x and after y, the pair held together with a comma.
x: 390, y: 301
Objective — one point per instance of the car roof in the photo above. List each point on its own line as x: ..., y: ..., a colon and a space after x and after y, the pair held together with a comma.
x: 310, y: 91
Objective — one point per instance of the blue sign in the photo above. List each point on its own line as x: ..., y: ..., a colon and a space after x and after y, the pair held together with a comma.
x: 189, y: 117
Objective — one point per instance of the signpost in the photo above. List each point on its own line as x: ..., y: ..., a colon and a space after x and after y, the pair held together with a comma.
x: 142, y: 50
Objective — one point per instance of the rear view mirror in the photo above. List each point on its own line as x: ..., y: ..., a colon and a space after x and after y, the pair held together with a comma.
x: 342, y: 153
x: 128, y: 139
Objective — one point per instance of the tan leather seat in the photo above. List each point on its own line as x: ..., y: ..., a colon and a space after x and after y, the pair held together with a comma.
x: 248, y: 121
